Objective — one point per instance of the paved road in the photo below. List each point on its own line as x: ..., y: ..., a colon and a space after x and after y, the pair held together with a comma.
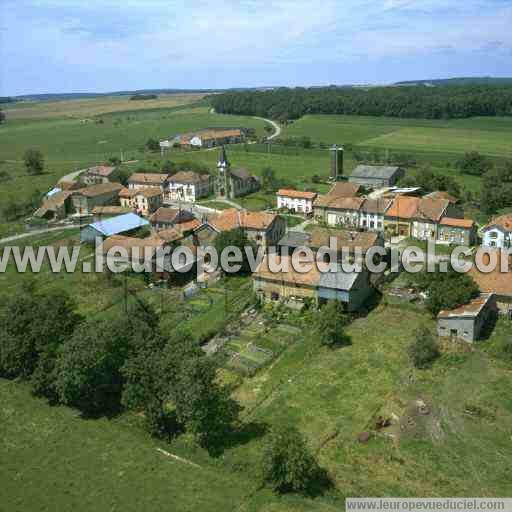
x: 277, y: 128
x: 71, y: 176
x: 195, y: 208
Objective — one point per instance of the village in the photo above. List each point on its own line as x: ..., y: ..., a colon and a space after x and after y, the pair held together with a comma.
x: 255, y: 256
x: 366, y: 209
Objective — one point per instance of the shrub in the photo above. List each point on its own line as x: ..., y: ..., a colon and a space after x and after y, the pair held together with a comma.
x: 424, y: 349
x: 505, y: 349
x: 330, y: 321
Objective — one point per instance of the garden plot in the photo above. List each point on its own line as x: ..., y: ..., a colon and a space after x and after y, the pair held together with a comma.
x: 255, y: 346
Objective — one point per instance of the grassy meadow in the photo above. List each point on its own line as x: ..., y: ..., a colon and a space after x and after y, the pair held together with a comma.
x: 89, y: 107
x: 488, y: 135
x: 331, y: 395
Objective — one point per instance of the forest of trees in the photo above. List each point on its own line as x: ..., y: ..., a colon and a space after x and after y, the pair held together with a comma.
x: 407, y: 102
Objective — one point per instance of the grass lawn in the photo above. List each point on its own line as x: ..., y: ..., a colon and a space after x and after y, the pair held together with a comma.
x: 217, y: 205
x: 54, y: 460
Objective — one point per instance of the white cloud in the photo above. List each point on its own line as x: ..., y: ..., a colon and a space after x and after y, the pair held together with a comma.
x: 172, y: 39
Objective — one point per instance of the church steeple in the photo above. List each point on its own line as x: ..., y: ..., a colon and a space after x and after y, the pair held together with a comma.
x: 223, y: 183
x: 223, y: 159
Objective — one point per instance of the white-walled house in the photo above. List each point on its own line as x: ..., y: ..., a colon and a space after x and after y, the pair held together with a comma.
x: 371, y: 214
x: 498, y: 233
x: 141, y: 180
x: 188, y: 186
x: 296, y: 200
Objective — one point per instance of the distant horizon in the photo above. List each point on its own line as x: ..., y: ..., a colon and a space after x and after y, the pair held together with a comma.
x: 235, y: 87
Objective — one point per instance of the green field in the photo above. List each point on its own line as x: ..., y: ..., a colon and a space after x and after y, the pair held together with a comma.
x: 89, y: 107
x: 490, y: 136
x: 447, y: 140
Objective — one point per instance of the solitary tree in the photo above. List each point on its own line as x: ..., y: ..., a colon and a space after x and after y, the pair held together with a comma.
x: 34, y: 161
x: 287, y: 464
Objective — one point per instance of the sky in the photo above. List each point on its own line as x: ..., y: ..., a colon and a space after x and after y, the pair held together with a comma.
x: 106, y: 45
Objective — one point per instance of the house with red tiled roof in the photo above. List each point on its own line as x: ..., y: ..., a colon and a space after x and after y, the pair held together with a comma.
x: 498, y: 233
x: 97, y: 174
x: 498, y: 280
x: 457, y: 231
x: 339, y: 211
x: 418, y: 217
x: 298, y: 201
x: 441, y: 194
x: 263, y: 228
x: 84, y: 200
x: 427, y: 217
x: 165, y: 218
x: 141, y: 180
x: 278, y: 279
x: 144, y: 200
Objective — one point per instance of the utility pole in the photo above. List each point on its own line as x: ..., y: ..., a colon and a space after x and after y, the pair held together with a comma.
x: 225, y: 301
x: 125, y: 293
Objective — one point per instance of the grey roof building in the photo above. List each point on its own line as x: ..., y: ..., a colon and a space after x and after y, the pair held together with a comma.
x: 469, y: 321
x: 376, y: 176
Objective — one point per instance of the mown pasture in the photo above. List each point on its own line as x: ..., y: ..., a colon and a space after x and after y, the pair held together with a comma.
x: 89, y: 107
x: 489, y: 135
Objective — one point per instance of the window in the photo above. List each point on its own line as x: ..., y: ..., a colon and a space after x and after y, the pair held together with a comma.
x: 274, y: 296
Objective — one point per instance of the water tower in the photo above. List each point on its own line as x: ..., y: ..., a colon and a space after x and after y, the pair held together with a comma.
x: 336, y: 162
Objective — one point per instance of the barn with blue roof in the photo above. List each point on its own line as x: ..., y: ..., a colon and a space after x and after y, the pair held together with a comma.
x: 122, y: 224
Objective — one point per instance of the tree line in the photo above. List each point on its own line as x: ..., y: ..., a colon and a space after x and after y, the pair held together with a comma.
x: 405, y: 102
